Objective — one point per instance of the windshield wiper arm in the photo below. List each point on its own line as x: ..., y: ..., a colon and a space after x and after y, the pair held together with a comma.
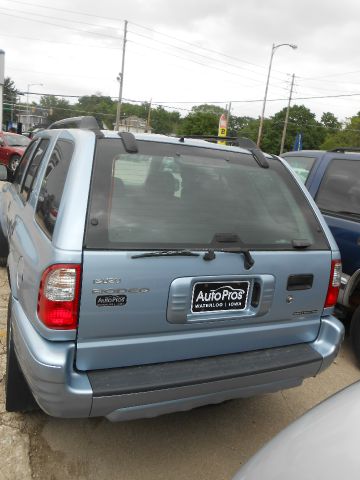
x: 229, y: 238
x: 166, y: 253
x: 248, y: 259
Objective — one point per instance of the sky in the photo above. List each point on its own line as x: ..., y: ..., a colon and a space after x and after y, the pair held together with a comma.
x: 181, y: 53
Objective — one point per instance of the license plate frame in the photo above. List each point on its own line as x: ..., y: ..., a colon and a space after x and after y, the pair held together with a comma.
x: 219, y: 296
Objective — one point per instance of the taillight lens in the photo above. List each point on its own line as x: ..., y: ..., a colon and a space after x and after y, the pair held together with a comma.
x: 58, y: 299
x: 334, y: 284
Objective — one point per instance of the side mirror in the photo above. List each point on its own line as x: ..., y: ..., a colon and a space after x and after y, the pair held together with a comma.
x: 2, y: 143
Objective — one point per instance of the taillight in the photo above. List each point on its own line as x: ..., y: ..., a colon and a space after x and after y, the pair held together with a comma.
x: 58, y: 299
x: 334, y: 284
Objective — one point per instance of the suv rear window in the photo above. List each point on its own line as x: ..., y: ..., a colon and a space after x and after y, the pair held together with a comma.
x: 339, y: 191
x: 176, y: 196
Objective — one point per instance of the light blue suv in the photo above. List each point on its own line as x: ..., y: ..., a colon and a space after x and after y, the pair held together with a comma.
x: 152, y: 274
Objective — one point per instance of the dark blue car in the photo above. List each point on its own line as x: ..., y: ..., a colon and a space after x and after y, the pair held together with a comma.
x: 333, y: 179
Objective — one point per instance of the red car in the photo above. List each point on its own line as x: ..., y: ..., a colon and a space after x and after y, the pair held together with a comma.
x: 12, y: 146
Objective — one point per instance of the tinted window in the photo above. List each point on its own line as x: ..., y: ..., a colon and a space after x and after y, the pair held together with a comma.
x: 339, y: 191
x: 53, y: 185
x: 301, y: 165
x: 168, y: 196
x: 33, y: 168
x: 25, y: 159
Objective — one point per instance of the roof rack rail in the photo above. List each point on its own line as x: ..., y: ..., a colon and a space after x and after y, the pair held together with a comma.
x: 129, y: 141
x: 345, y: 149
x: 208, y: 137
x: 241, y: 142
x: 86, y: 122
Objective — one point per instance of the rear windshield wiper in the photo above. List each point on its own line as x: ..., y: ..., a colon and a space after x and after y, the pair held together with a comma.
x: 229, y: 238
x: 166, y: 253
x: 248, y: 259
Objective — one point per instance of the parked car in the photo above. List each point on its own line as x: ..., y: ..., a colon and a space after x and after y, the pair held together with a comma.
x: 333, y: 179
x: 12, y: 146
x: 323, y: 443
x: 152, y: 274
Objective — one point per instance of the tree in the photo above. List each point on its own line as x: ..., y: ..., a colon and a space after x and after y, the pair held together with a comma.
x: 301, y: 120
x: 55, y: 108
x: 243, y: 127
x: 199, y: 124
x: 348, y: 137
x: 330, y: 122
x: 163, y: 121
x: 10, y: 99
x: 208, y: 108
x: 202, y: 120
x: 99, y: 106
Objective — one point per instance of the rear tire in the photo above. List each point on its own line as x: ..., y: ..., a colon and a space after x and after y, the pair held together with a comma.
x: 14, y: 162
x: 4, y: 249
x: 18, y: 396
x: 355, y: 333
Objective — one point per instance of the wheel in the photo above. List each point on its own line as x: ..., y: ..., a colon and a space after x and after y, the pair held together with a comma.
x: 14, y: 162
x: 18, y: 396
x: 355, y: 333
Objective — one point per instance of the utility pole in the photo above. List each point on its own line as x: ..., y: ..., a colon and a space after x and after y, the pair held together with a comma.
x: 121, y: 75
x: 2, y: 80
x: 149, y: 117
x: 287, y: 116
x: 228, y: 113
x: 273, y: 49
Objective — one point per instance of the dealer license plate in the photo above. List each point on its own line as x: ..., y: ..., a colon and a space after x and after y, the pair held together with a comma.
x: 219, y: 296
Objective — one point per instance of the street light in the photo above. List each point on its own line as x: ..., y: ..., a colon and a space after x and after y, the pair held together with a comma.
x: 27, y: 101
x: 274, y: 47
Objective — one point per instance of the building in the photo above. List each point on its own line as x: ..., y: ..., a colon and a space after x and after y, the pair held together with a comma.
x: 133, y: 124
x: 29, y: 119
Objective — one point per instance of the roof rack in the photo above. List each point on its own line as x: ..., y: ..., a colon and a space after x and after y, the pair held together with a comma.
x: 345, y: 149
x: 86, y: 122
x: 208, y: 137
x: 241, y: 142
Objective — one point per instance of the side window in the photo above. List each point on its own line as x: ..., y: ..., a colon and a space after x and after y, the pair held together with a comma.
x: 339, y: 191
x: 301, y: 165
x: 33, y: 168
x: 53, y: 185
x: 24, y: 162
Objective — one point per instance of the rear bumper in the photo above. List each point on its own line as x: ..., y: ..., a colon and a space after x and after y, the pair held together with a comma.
x: 151, y: 390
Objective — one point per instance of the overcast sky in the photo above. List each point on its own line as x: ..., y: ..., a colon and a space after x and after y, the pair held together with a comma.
x: 185, y: 52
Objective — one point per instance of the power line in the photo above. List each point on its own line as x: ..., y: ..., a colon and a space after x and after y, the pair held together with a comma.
x: 61, y: 42
x: 216, y: 52
x: 279, y: 122
x: 67, y: 11
x: 197, y: 54
x: 205, y: 102
x: 197, y: 62
x: 47, y: 16
x: 61, y: 26
x: 198, y: 46
x: 338, y: 74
